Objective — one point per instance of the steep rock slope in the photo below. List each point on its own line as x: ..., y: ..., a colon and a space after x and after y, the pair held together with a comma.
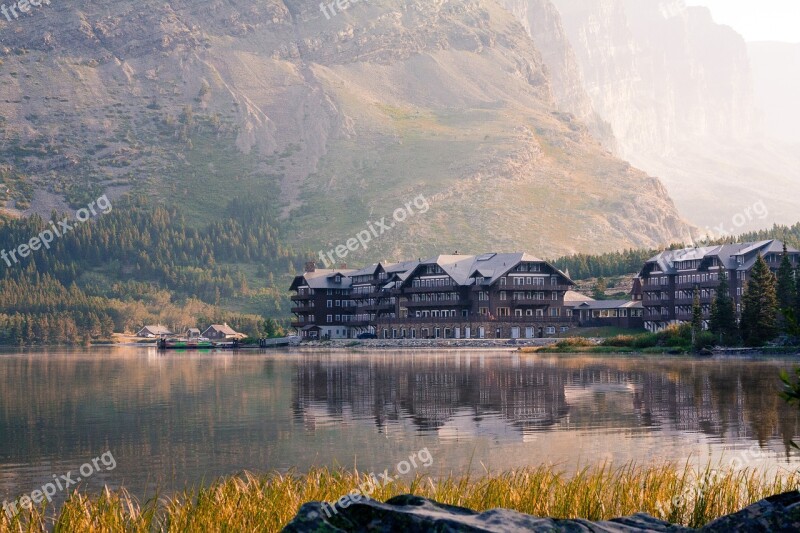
x: 342, y: 118
x: 542, y: 22
x: 677, y: 89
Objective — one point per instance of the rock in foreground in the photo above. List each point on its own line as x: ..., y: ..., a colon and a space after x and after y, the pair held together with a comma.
x: 412, y: 513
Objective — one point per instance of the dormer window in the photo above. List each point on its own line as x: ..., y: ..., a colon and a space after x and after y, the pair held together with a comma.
x: 338, y: 278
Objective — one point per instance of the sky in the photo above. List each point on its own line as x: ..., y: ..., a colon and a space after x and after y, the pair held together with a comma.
x: 757, y: 20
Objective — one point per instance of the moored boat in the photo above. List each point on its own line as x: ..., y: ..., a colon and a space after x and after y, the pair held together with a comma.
x: 180, y: 343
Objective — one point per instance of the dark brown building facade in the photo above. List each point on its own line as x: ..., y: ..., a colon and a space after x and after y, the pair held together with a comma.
x: 669, y: 280
x: 449, y: 296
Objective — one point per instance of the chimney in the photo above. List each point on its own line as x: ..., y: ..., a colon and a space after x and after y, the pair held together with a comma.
x: 311, y: 266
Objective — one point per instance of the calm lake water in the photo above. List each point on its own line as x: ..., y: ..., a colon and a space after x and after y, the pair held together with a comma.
x: 177, y: 420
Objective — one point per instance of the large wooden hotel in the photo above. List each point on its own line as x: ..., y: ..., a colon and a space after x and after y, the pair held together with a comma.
x: 495, y: 295
x: 512, y: 295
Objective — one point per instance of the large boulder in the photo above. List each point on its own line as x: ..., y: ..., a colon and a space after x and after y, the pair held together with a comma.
x: 412, y: 513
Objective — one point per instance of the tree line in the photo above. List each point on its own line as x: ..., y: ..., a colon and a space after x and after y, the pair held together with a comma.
x: 586, y: 266
x: 139, y: 262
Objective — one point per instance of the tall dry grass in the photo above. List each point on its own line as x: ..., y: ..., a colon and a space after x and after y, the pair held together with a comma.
x: 247, y: 502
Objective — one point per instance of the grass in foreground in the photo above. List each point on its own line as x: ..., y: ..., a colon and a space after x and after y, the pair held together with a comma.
x: 267, y: 503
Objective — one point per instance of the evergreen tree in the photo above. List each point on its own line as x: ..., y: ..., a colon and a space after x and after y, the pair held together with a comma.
x: 759, y: 322
x: 787, y: 288
x: 599, y: 290
x: 797, y: 295
x: 723, y: 313
x: 697, y: 317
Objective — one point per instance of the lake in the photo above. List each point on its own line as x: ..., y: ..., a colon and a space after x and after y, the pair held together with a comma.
x: 179, y: 419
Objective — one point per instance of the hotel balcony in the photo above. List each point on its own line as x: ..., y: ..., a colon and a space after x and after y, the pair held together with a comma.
x: 377, y: 307
x: 702, y: 284
x: 440, y: 303
x: 511, y: 288
x: 533, y: 301
x: 481, y: 319
x: 439, y: 288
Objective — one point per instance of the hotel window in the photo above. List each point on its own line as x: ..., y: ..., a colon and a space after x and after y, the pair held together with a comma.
x: 555, y: 312
x: 338, y: 318
x: 483, y: 310
x: 540, y: 312
x: 529, y: 312
x: 551, y: 330
x: 503, y: 295
x: 517, y: 312
x: 502, y: 281
x: 529, y: 281
x: 330, y: 319
x: 503, y: 311
x: 330, y: 303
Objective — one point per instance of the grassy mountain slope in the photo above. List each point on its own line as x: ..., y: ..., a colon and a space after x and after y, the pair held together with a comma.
x: 332, y: 122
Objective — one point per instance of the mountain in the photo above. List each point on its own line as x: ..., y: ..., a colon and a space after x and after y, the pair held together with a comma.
x: 542, y: 22
x: 776, y: 70
x: 334, y: 119
x: 678, y: 91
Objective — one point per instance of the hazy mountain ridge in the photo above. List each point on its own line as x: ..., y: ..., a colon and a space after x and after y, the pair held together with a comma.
x: 678, y: 91
x: 384, y: 101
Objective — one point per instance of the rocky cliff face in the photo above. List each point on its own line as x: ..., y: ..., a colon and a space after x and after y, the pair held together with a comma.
x: 660, y: 72
x: 542, y: 22
x: 348, y: 114
x: 677, y: 90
